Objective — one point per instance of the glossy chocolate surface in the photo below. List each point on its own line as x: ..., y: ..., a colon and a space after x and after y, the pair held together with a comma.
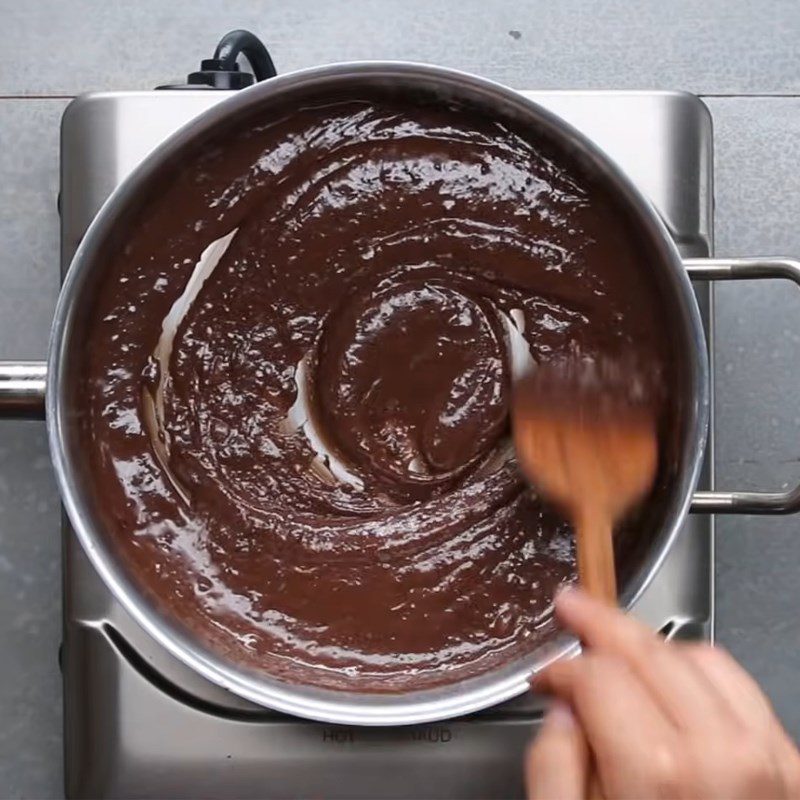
x: 297, y: 386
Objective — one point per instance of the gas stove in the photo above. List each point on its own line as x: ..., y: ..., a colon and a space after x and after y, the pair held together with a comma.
x: 138, y: 723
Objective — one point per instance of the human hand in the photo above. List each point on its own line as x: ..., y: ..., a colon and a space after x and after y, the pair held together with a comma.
x: 637, y: 717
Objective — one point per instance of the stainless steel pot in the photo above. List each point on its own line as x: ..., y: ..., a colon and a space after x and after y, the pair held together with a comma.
x: 28, y: 389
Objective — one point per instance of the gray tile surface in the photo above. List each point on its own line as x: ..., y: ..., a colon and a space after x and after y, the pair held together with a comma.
x: 716, y: 47
x: 758, y: 391
x: 68, y: 46
x: 28, y: 224
x: 30, y: 624
x: 30, y: 545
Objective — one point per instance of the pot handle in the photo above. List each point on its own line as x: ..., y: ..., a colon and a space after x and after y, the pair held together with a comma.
x: 745, y: 269
x: 22, y: 386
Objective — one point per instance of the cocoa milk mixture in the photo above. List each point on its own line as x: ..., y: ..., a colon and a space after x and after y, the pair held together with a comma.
x: 298, y: 376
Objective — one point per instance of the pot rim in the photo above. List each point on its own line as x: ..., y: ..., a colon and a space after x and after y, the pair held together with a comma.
x: 451, y: 700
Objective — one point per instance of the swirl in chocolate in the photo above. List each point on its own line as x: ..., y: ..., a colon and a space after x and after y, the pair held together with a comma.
x: 298, y: 383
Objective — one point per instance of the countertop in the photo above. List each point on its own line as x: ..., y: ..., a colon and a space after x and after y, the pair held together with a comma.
x: 51, y: 50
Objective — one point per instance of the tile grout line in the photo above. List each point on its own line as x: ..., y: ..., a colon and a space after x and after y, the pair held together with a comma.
x: 724, y: 95
x: 37, y: 96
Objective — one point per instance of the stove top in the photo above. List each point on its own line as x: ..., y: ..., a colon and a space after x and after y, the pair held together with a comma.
x: 138, y: 723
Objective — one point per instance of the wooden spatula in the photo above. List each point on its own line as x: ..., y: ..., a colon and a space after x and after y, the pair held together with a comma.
x: 591, y: 453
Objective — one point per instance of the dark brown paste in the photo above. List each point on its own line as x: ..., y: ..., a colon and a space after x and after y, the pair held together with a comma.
x: 298, y: 382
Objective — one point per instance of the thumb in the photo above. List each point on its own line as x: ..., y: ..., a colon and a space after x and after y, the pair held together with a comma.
x: 557, y: 764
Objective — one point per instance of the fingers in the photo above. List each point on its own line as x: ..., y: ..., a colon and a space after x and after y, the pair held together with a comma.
x: 558, y: 761
x: 630, y: 737
x: 663, y: 720
x: 741, y: 693
x: 598, y: 625
x: 751, y: 706
x: 682, y: 690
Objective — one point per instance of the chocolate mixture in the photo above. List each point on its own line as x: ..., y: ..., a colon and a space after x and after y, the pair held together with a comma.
x: 298, y: 382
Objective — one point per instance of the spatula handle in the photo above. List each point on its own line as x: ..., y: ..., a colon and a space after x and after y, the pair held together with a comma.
x: 596, y: 570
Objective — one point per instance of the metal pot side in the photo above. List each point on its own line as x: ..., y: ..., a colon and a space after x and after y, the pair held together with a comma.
x: 63, y: 400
